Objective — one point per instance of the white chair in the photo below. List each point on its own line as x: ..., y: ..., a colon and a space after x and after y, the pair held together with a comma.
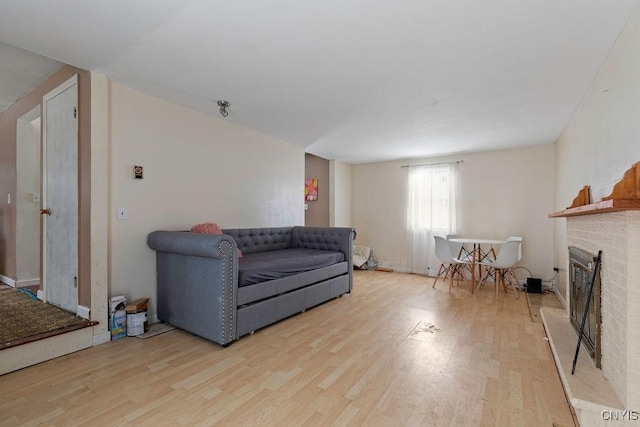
x: 457, y: 249
x: 448, y: 267
x: 507, y: 257
x: 517, y: 239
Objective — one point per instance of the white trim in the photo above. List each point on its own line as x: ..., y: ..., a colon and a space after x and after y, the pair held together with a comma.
x: 152, y: 319
x: 100, y: 210
x: 27, y: 119
x: 101, y: 338
x: 57, y: 91
x: 83, y: 311
x: 27, y: 282
x: 8, y: 281
x: 396, y: 269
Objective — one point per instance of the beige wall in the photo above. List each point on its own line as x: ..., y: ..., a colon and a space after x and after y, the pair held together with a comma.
x: 197, y: 168
x: 8, y: 174
x: 602, y: 139
x: 502, y: 193
x: 317, y: 212
x: 341, y: 184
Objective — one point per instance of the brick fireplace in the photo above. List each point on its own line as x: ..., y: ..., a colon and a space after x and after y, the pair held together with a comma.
x: 617, y: 234
x: 610, y: 225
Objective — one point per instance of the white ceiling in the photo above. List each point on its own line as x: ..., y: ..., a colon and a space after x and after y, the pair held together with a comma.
x: 353, y: 80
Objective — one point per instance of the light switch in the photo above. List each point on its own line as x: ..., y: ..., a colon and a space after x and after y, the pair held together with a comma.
x: 8, y: 198
x: 122, y: 213
x: 36, y: 198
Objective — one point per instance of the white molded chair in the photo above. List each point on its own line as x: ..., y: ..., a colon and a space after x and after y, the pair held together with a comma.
x: 508, y: 256
x: 457, y: 249
x: 448, y: 267
x: 511, y: 270
x: 516, y: 239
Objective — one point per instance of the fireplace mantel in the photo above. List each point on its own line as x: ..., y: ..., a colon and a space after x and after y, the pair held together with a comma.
x: 624, y: 197
x: 604, y: 206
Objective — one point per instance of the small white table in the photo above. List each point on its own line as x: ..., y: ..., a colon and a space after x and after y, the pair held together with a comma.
x: 477, y: 254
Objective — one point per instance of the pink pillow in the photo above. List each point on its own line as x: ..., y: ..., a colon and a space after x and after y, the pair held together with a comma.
x: 207, y: 228
x: 210, y: 228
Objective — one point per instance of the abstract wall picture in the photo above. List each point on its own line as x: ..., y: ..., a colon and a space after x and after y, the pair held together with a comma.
x: 311, y: 189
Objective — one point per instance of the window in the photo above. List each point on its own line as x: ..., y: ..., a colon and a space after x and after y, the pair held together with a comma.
x: 431, y: 210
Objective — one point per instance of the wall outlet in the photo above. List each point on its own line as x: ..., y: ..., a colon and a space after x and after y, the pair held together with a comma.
x: 122, y: 213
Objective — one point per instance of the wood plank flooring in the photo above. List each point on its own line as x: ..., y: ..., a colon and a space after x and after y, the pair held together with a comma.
x: 393, y: 352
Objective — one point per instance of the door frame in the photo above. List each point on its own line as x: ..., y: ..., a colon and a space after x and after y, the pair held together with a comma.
x: 33, y: 114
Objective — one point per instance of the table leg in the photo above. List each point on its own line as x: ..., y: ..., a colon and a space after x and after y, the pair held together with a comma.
x: 473, y: 268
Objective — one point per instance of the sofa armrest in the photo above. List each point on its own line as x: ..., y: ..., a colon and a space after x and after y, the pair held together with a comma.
x: 197, y: 282
x: 185, y: 243
x: 338, y: 239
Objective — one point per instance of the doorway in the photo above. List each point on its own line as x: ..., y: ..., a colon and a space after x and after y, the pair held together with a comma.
x: 60, y: 214
x: 28, y: 199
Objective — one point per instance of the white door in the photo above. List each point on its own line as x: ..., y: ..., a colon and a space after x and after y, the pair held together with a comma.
x: 60, y: 195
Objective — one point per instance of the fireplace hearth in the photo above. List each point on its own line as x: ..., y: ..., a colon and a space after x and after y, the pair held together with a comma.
x: 581, y: 271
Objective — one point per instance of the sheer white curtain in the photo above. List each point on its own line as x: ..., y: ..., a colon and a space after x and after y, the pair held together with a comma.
x: 431, y: 211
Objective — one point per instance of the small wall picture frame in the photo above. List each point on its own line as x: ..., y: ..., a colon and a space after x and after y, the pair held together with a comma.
x: 311, y: 189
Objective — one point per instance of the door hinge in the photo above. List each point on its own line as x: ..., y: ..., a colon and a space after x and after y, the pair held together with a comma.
x: 75, y: 281
x: 75, y: 113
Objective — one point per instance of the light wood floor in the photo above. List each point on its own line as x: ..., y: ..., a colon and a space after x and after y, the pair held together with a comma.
x: 394, y: 352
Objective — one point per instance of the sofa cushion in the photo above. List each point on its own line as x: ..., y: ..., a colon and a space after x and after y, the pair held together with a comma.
x: 264, y: 266
x: 251, y: 240
x: 263, y: 290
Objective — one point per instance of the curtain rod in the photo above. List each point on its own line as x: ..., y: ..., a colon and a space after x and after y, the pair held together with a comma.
x: 457, y: 162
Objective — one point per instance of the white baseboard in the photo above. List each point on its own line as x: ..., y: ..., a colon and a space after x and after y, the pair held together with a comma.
x: 84, y: 312
x: 398, y: 269
x: 7, y: 280
x: 27, y: 282
x: 152, y: 319
x: 101, y: 338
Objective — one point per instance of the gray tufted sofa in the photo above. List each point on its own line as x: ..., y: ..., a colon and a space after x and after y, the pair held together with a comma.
x: 204, y: 288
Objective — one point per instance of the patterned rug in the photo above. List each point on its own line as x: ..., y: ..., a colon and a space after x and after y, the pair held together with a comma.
x: 23, y: 319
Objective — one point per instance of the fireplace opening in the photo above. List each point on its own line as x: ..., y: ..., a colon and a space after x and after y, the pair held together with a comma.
x: 581, y: 266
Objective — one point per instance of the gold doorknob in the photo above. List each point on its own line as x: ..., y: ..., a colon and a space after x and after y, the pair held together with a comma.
x: 45, y: 211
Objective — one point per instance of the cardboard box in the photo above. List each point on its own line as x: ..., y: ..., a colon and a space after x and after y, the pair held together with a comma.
x: 118, y: 317
x: 137, y: 306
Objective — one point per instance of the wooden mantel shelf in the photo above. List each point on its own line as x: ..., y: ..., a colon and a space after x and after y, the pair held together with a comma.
x: 625, y: 197
x: 611, y: 205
